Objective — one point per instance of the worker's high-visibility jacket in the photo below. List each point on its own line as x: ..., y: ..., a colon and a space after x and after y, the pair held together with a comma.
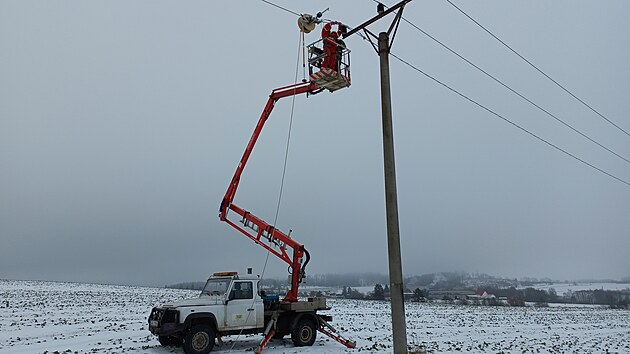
x: 330, y: 45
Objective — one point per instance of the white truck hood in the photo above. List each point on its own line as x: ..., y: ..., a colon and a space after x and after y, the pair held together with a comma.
x: 201, y: 301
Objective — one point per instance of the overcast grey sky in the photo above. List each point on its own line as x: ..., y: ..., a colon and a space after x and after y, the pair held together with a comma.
x: 121, y: 124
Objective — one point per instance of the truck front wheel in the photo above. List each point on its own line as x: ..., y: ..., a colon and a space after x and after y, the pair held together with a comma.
x: 279, y: 335
x: 168, y: 341
x: 304, y: 334
x: 199, y: 340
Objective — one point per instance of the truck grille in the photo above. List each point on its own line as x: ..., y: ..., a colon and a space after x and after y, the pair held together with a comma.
x: 164, y: 316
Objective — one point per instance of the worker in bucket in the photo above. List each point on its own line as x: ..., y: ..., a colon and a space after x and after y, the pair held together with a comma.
x: 330, y: 39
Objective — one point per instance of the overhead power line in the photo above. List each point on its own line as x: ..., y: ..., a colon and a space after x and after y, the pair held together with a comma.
x: 537, y: 68
x: 282, y: 8
x: 515, y: 92
x: 509, y: 121
x: 512, y: 90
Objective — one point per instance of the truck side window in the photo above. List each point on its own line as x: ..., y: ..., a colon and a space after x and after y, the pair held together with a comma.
x: 242, y: 290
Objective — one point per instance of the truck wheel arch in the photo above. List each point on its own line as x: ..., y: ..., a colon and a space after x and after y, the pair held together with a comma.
x: 201, y: 318
x: 310, y: 315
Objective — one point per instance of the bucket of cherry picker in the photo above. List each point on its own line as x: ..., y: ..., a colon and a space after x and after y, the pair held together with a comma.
x: 329, y: 64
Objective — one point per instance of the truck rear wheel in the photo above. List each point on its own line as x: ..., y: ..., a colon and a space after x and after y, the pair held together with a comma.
x: 199, y: 340
x: 304, y: 334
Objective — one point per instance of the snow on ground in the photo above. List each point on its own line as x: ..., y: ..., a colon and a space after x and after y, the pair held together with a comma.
x: 40, y: 317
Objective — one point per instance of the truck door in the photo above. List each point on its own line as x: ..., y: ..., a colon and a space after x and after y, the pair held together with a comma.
x: 241, y: 307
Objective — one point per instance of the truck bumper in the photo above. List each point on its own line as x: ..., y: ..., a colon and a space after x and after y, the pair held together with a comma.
x: 166, y: 329
x: 164, y: 322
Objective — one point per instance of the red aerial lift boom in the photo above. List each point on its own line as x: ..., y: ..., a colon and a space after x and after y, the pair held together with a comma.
x: 261, y: 232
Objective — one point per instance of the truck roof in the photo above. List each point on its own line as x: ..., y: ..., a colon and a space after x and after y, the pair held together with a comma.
x: 233, y: 275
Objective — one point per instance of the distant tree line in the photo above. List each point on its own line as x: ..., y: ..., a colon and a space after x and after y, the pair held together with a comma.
x: 436, y: 281
x: 380, y: 292
x: 349, y: 279
x: 457, y: 280
x: 460, y: 281
x: 612, y: 298
x: 527, y: 294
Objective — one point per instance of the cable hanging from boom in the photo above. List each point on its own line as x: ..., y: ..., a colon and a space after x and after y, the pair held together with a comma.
x: 286, y: 154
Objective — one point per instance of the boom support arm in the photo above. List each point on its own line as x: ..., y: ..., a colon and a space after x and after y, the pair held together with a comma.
x: 256, y: 229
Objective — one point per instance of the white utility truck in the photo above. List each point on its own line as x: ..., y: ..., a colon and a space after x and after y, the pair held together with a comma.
x: 233, y: 304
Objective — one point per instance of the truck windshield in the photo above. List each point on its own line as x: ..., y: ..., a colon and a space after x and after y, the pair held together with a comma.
x: 215, y: 287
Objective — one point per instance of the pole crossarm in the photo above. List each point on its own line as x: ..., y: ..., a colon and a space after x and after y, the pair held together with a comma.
x: 400, y: 5
x: 394, y: 26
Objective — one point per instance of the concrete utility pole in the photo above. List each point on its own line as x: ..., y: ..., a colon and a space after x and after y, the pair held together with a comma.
x: 399, y: 327
x: 391, y: 204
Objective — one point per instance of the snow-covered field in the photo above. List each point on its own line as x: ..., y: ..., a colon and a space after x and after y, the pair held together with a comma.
x: 48, y: 317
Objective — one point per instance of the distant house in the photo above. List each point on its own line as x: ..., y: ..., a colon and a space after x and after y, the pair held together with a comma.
x: 408, y: 295
x: 481, y: 295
